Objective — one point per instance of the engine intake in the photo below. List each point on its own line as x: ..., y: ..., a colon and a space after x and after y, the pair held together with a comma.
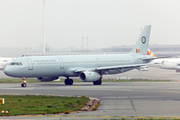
x: 46, y: 79
x: 89, y: 76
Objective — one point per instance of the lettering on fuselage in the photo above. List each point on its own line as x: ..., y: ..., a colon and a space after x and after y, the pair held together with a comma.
x: 52, y: 60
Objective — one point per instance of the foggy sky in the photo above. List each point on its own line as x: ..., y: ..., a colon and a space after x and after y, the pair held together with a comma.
x: 106, y: 22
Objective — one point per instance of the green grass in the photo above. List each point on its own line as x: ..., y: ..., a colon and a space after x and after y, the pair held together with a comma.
x: 32, y: 104
x: 78, y: 80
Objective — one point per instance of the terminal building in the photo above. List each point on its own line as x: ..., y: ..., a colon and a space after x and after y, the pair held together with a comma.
x: 158, y: 50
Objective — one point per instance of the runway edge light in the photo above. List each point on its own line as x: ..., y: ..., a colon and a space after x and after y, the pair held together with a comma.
x: 1, y: 100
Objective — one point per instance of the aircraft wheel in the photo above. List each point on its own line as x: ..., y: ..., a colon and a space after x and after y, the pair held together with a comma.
x: 99, y: 82
x: 23, y: 85
x: 95, y: 83
x: 70, y: 81
x: 66, y: 81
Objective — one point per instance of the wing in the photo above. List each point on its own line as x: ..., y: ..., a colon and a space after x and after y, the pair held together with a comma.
x: 110, y: 67
x: 150, y: 59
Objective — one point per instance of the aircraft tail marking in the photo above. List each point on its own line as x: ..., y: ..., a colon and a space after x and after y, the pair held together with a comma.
x: 142, y: 43
x: 150, y: 53
x: 137, y: 50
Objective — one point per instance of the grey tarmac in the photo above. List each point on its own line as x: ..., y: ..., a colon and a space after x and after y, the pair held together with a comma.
x: 118, y: 99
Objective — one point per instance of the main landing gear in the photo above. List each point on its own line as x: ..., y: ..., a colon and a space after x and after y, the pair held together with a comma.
x: 97, y: 82
x: 24, y: 82
x: 68, y: 81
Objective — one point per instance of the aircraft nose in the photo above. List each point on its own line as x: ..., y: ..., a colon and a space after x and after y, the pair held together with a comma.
x: 7, y: 71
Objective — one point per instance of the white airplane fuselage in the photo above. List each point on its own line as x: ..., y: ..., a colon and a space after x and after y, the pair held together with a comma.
x: 50, y: 66
x: 167, y: 63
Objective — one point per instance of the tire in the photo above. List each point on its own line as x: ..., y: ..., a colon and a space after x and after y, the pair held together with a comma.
x: 95, y: 83
x: 66, y: 81
x: 70, y: 81
x: 23, y: 85
x: 99, y: 82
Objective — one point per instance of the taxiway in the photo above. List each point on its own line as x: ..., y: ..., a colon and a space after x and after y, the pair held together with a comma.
x: 149, y: 99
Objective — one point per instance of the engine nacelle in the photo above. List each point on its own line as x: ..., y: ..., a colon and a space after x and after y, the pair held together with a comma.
x: 89, y: 76
x: 178, y: 67
x: 177, y: 70
x: 47, y: 79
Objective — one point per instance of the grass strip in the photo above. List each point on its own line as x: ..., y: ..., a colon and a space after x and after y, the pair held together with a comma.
x: 42, y: 104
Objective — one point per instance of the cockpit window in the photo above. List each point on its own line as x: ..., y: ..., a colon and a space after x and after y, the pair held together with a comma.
x: 15, y: 63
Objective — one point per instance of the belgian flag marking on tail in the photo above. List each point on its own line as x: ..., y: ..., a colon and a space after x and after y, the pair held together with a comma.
x: 137, y: 50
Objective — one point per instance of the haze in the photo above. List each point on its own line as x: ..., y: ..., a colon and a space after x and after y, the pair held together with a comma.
x: 106, y: 22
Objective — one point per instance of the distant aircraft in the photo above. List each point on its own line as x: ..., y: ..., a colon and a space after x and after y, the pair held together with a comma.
x: 89, y: 68
x: 167, y: 63
x: 4, y: 62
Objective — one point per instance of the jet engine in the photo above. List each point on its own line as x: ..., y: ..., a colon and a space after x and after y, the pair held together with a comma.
x: 178, y: 67
x: 46, y: 79
x: 89, y: 76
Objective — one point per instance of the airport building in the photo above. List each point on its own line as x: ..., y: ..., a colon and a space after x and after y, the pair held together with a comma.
x: 158, y: 50
x: 170, y: 50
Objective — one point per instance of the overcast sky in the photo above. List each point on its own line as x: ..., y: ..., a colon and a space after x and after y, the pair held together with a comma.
x: 106, y: 22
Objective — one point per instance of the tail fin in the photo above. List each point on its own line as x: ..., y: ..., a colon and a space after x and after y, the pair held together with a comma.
x: 150, y: 53
x: 142, y: 43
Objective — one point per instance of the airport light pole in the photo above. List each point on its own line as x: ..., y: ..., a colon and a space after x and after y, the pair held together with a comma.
x: 87, y: 43
x: 82, y: 43
x: 44, y: 27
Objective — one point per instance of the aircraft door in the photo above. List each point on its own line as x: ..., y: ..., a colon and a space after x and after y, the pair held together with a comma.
x: 61, y: 63
x: 30, y: 65
x: 98, y: 62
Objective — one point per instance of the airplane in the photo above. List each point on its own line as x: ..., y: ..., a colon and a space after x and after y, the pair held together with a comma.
x: 89, y: 68
x: 152, y: 63
x: 4, y: 62
x: 163, y: 63
x: 167, y: 63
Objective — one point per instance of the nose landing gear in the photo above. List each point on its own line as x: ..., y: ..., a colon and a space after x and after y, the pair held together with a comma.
x: 24, y: 82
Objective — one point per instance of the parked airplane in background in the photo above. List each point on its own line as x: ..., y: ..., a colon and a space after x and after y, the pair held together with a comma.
x: 167, y: 63
x: 89, y: 68
x: 164, y: 63
x: 4, y: 62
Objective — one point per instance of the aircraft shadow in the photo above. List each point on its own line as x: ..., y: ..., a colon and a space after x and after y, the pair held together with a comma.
x: 62, y: 84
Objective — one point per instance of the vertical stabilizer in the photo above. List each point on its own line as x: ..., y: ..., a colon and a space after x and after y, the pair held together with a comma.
x: 150, y: 53
x: 142, y: 43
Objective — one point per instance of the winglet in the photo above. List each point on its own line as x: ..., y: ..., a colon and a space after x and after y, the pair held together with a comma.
x: 142, y: 43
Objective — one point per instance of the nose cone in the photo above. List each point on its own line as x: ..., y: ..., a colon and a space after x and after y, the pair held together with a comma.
x: 8, y: 71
